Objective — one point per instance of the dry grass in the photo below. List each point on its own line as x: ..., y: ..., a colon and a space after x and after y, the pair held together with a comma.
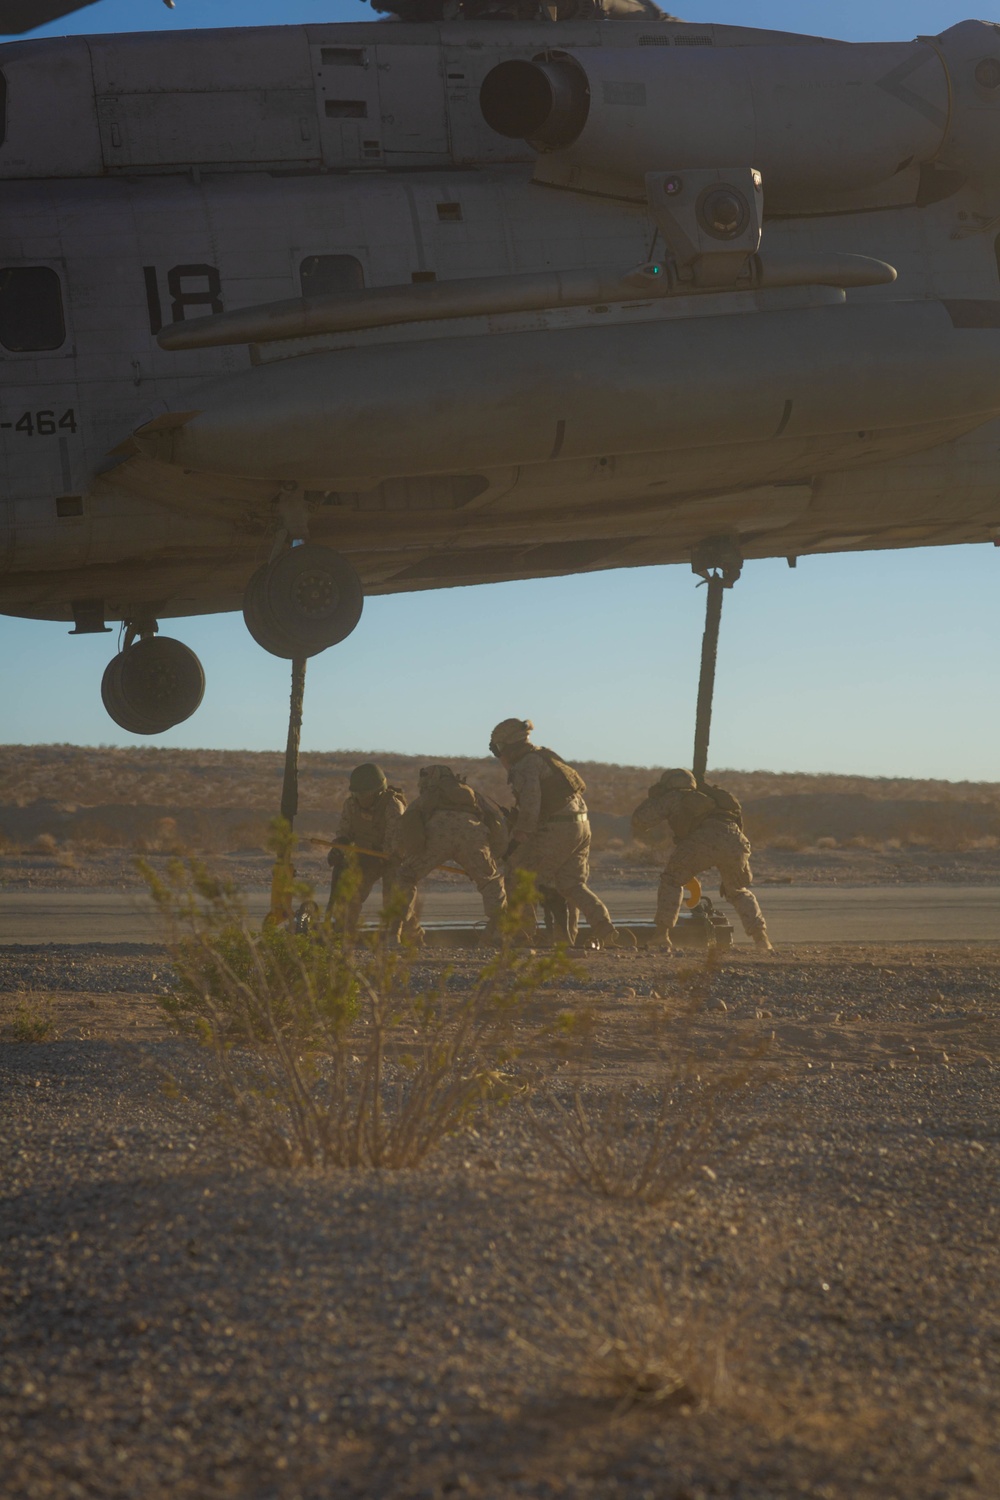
x: 647, y: 1141
x: 652, y: 1341
x: 639, y: 1335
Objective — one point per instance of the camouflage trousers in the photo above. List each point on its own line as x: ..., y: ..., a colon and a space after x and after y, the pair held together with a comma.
x: 369, y: 872
x: 716, y: 845
x: 558, y: 855
x: 457, y: 837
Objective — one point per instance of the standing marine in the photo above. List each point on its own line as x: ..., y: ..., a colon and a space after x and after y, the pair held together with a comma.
x: 706, y: 828
x: 367, y: 837
x: 551, y: 829
x: 450, y: 820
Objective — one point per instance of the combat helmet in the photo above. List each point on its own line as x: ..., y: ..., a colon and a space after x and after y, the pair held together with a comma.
x: 444, y: 790
x: 510, y: 732
x: 675, y: 780
x: 431, y: 776
x: 368, y: 778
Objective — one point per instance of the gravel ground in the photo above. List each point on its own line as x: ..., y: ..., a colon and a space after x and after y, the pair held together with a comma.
x: 179, y: 1321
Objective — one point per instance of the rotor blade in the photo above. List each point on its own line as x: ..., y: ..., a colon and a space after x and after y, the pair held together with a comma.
x: 17, y: 16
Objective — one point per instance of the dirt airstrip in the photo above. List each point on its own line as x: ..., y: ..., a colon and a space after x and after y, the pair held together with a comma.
x: 180, y: 1320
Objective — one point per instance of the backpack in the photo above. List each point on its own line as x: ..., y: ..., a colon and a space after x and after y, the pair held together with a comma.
x: 443, y: 790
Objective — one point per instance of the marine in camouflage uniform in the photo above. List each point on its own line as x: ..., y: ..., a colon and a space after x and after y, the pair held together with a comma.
x: 707, y: 834
x: 367, y: 838
x: 551, y: 826
x: 451, y: 821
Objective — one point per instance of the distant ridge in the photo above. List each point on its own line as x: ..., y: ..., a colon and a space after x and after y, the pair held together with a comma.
x: 221, y: 798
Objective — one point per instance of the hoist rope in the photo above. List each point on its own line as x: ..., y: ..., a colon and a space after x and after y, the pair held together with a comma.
x: 706, y: 680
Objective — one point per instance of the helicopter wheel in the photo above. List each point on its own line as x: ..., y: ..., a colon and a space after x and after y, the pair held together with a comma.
x: 305, y: 600
x: 153, y: 685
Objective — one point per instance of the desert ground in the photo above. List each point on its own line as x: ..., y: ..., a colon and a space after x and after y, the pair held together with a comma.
x: 807, y: 1306
x: 721, y: 1225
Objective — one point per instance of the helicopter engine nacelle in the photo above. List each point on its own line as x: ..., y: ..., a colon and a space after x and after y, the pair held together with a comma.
x: 821, y: 122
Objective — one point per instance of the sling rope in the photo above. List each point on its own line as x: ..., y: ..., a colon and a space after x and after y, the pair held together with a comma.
x: 283, y: 873
x: 719, y: 562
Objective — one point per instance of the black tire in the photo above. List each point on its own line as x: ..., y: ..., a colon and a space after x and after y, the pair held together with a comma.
x: 257, y: 618
x: 155, y: 684
x: 303, y: 602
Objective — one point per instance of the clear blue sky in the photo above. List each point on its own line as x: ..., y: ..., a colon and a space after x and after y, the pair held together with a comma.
x: 879, y: 663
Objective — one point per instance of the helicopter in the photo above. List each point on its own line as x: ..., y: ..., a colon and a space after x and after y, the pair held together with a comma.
x: 290, y: 316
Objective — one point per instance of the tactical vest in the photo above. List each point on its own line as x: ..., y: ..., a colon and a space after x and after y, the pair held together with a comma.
x: 368, y: 823
x: 686, y: 810
x: 559, y: 788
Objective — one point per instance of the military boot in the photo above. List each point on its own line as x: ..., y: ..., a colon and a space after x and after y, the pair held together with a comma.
x: 660, y: 939
x: 491, y: 934
x: 560, y: 929
x: 610, y: 936
x: 763, y: 943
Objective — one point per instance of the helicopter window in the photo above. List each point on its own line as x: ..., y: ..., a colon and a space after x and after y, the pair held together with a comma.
x: 31, y: 309
x: 322, y: 274
x: 344, y: 57
x: 450, y: 213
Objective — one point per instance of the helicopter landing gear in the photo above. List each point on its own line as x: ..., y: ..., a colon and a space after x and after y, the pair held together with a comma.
x: 302, y: 601
x: 152, y: 684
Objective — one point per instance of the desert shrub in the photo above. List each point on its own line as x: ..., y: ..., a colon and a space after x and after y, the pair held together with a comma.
x: 792, y: 843
x: 235, y: 969
x: 826, y: 842
x: 163, y: 838
x: 94, y: 834
x: 29, y: 1023
x: 235, y: 984
x: 45, y: 843
x: 327, y: 1052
